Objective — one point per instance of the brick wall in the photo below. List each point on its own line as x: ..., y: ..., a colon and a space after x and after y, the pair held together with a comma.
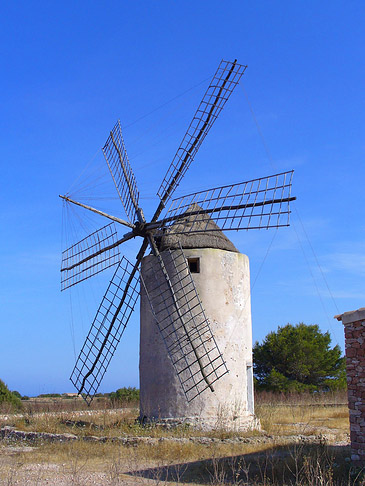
x: 354, y: 325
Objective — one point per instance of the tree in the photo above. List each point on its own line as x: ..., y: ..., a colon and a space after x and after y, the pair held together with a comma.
x: 125, y: 395
x: 8, y: 399
x: 298, y: 358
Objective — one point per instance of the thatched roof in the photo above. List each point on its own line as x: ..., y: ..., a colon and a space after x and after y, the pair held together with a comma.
x: 206, y: 233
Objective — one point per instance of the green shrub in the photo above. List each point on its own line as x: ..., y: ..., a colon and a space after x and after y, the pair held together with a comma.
x: 49, y: 395
x: 8, y: 399
x: 125, y: 395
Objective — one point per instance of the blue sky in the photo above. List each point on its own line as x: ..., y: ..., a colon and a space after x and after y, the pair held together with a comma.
x: 71, y: 69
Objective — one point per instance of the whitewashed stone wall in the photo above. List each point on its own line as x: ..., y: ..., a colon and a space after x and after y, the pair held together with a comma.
x: 223, y: 284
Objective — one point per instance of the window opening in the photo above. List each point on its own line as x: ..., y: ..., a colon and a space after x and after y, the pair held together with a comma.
x: 194, y: 265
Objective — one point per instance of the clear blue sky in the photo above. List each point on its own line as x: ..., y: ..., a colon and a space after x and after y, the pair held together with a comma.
x: 70, y: 69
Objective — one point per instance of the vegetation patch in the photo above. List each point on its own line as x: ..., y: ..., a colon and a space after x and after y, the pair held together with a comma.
x: 8, y: 400
x: 298, y: 359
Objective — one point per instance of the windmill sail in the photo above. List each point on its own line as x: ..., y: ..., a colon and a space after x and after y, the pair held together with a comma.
x: 166, y: 279
x: 89, y: 256
x: 221, y: 87
x: 259, y: 203
x: 125, y: 182
x: 182, y: 323
x: 107, y: 329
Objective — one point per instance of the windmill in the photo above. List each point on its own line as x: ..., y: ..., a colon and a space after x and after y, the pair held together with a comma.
x: 169, y: 287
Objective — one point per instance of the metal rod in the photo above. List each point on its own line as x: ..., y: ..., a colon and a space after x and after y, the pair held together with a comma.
x: 126, y: 237
x: 216, y: 210
x: 97, y: 211
x: 258, y: 179
x: 188, y: 154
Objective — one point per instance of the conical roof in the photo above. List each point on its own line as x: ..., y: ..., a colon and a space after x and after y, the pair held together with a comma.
x: 207, y: 233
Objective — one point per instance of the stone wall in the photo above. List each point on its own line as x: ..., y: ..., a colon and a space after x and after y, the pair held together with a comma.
x: 223, y: 285
x: 354, y: 325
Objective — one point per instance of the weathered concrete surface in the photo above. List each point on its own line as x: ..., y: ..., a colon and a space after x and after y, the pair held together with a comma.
x: 223, y: 285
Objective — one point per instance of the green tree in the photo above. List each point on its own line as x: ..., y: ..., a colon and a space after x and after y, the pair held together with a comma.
x: 125, y: 395
x: 7, y: 398
x: 298, y: 358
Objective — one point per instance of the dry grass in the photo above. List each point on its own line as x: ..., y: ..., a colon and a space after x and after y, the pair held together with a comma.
x: 74, y: 463
x: 116, y: 462
x: 279, y: 415
x: 305, y: 414
x: 302, y: 419
x: 168, y: 462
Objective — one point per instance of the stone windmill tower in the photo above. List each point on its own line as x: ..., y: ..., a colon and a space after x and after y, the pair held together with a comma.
x: 194, y: 285
x: 222, y: 279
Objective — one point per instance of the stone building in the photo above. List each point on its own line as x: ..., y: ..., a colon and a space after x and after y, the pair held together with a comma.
x: 354, y: 325
x: 222, y: 279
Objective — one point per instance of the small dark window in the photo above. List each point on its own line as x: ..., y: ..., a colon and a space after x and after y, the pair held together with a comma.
x: 194, y: 265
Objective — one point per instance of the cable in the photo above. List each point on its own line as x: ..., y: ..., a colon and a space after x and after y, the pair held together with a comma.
x: 72, y: 327
x: 264, y: 260
x: 316, y: 286
x: 315, y: 256
x: 268, y: 153
x: 84, y: 170
x: 266, y: 147
x: 164, y: 104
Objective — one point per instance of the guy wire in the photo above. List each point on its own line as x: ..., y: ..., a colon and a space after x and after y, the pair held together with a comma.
x: 268, y: 153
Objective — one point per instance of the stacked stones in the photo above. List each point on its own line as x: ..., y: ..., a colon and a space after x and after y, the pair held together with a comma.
x: 354, y: 324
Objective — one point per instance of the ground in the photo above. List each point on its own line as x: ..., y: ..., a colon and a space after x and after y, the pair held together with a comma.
x: 305, y: 440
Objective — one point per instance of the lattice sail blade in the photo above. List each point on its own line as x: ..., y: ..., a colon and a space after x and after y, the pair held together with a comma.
x: 221, y: 87
x: 125, y: 182
x: 182, y: 322
x: 89, y: 256
x: 107, y: 329
x: 255, y: 204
